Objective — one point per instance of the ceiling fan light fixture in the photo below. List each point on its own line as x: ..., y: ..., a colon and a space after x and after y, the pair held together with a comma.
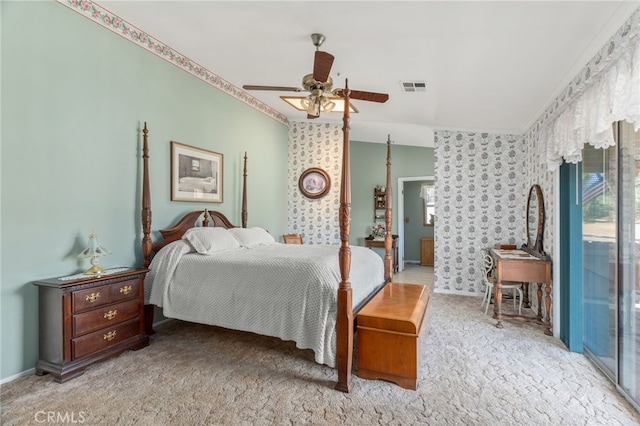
x: 327, y: 104
x: 331, y: 104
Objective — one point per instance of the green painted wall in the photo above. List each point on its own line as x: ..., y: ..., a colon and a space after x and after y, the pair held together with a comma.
x: 368, y: 169
x: 74, y: 98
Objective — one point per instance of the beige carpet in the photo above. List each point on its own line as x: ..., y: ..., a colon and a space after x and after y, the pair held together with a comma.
x: 473, y: 374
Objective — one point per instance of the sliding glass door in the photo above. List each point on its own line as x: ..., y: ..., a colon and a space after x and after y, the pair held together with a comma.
x: 611, y: 253
x: 629, y: 262
x: 599, y: 251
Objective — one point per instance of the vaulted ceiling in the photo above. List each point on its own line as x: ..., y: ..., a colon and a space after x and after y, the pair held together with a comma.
x: 490, y: 66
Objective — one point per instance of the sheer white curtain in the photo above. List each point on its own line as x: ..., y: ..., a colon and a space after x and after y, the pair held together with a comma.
x: 613, y: 96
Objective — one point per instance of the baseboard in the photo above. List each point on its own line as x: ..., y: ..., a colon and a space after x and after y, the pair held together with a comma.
x: 412, y: 262
x: 162, y: 321
x: 460, y: 293
x: 33, y: 370
x: 17, y: 376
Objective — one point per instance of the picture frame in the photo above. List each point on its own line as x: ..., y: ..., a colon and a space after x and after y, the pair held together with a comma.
x: 196, y: 174
x: 314, y: 183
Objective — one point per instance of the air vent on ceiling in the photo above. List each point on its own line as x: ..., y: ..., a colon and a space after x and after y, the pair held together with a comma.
x: 413, y: 86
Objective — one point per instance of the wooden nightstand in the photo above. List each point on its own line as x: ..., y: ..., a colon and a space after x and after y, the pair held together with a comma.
x: 85, y: 320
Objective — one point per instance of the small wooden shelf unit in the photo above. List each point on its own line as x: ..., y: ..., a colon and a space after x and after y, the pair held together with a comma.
x: 426, y: 251
x: 379, y: 204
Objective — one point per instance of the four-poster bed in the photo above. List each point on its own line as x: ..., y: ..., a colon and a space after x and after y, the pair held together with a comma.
x: 342, y: 311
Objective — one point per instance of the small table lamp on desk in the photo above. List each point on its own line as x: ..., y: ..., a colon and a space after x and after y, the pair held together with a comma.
x: 371, y: 243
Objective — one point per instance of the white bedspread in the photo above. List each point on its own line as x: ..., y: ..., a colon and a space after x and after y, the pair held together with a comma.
x: 282, y: 290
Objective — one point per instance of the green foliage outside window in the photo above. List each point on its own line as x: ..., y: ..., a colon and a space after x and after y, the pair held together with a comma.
x: 596, y: 209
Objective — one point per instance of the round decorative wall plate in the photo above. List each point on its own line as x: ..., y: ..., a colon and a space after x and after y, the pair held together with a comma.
x: 314, y: 183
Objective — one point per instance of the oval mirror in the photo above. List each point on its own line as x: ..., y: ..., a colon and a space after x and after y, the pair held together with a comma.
x: 535, y: 218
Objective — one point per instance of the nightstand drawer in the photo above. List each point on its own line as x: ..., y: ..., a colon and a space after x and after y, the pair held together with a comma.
x: 124, y: 290
x: 90, y: 298
x: 106, y: 316
x: 102, y: 339
x: 99, y: 296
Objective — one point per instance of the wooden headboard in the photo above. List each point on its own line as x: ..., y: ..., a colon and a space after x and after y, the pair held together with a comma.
x: 190, y: 220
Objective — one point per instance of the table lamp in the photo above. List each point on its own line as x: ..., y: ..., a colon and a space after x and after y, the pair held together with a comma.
x: 93, y: 251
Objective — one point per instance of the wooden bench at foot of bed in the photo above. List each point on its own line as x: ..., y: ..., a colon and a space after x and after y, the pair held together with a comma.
x: 391, y: 334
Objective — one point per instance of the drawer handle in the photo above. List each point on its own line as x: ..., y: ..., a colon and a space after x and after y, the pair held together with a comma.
x: 92, y: 297
x: 126, y: 289
x: 110, y: 335
x: 111, y: 314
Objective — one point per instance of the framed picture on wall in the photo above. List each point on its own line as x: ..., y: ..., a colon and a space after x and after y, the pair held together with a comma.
x: 314, y: 183
x: 196, y: 174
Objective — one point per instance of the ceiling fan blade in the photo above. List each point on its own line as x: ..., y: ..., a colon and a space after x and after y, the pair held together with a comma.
x: 322, y: 66
x: 274, y: 88
x: 310, y: 117
x: 364, y: 96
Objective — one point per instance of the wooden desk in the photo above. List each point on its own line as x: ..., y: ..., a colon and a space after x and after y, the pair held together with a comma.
x: 371, y: 243
x: 520, y: 266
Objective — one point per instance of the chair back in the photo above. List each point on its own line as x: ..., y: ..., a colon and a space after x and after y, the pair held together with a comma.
x: 487, y: 264
x: 292, y: 238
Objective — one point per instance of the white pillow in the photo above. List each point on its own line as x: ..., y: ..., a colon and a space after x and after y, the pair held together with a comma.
x: 252, y: 237
x: 210, y: 240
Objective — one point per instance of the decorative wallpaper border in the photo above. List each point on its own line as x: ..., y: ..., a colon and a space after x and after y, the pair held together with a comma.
x: 108, y: 20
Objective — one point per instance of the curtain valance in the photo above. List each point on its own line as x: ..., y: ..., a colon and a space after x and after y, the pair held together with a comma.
x: 614, y: 95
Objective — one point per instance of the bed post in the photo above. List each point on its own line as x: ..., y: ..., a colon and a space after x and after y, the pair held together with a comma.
x: 146, y: 200
x: 244, y: 192
x: 146, y: 222
x: 388, y: 264
x: 344, y: 320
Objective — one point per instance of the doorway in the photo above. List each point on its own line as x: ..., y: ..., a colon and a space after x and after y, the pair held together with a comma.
x: 412, y: 219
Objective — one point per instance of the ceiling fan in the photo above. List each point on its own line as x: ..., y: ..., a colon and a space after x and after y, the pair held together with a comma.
x: 319, y: 84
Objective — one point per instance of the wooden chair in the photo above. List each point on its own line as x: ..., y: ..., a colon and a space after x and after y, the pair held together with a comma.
x: 489, y: 282
x: 292, y: 238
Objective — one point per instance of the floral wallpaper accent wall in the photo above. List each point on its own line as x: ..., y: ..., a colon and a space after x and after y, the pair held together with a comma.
x: 315, y: 145
x: 480, y: 201
x: 537, y: 169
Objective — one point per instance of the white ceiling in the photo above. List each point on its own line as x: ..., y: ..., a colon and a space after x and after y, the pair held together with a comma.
x: 490, y: 66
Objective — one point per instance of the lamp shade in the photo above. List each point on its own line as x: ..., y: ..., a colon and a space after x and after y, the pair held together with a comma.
x: 93, y: 251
